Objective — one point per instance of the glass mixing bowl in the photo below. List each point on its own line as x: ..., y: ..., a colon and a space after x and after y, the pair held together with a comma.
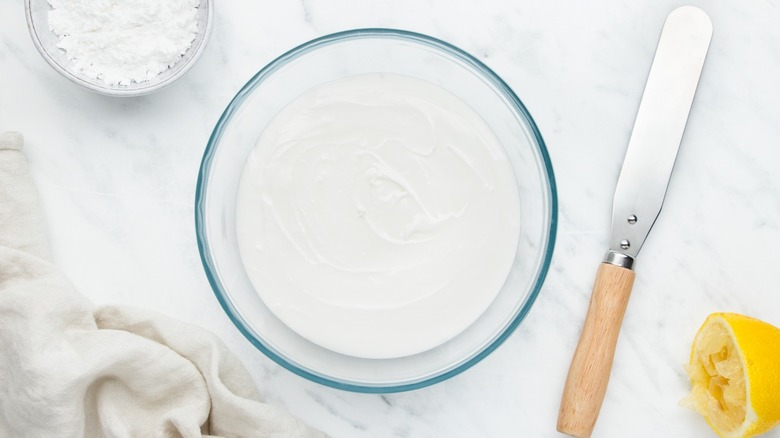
x: 336, y: 56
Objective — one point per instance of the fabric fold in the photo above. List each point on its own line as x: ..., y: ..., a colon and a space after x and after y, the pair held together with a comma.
x: 68, y: 370
x: 21, y: 222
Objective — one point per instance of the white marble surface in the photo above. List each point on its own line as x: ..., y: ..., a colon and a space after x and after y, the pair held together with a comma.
x: 117, y: 179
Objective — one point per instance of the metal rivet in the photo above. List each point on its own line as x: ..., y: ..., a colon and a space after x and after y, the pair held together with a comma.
x: 625, y: 244
x: 632, y: 219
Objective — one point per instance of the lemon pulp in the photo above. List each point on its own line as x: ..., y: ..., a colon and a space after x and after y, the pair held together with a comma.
x: 718, y: 377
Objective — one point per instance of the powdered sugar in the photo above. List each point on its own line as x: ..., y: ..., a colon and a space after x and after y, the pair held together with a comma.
x: 124, y: 41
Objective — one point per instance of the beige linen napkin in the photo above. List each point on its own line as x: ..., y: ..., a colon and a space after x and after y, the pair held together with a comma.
x: 68, y: 370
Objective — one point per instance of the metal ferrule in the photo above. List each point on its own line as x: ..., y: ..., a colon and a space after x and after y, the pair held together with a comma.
x: 619, y: 259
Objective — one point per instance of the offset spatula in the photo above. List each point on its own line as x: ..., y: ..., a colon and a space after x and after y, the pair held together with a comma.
x: 639, y: 195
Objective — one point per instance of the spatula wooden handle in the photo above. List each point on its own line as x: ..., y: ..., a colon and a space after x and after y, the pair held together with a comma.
x: 592, y: 362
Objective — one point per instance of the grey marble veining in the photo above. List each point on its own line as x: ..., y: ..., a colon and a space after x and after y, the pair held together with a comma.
x: 117, y: 179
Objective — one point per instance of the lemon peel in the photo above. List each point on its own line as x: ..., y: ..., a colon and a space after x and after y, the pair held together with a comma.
x: 735, y: 375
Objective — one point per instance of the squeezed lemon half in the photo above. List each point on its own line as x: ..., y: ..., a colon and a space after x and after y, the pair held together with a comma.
x: 735, y: 374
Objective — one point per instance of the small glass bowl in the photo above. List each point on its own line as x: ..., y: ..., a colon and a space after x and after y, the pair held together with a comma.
x: 46, y: 41
x: 336, y: 56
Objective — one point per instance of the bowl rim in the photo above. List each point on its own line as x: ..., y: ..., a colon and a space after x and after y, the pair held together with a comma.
x: 109, y: 90
x: 235, y: 104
